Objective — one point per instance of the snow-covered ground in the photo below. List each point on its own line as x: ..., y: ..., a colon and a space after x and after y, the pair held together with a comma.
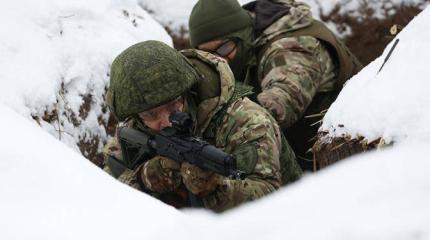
x: 49, y: 191
x: 172, y: 13
x: 393, y: 103
x: 54, y: 53
x: 379, y: 7
x: 175, y: 13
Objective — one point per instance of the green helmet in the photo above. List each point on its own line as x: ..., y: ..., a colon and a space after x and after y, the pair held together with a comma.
x: 147, y: 75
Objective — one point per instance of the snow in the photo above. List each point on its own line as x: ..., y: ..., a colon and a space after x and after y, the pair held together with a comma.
x: 47, y: 44
x: 175, y: 16
x: 360, y: 10
x: 352, y: 7
x: 392, y: 104
x: 49, y: 191
x: 351, y: 200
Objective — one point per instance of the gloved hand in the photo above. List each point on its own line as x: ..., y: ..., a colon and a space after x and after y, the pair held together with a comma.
x: 198, y: 181
x: 161, y: 175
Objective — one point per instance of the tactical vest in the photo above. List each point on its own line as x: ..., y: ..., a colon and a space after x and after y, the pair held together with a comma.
x: 301, y: 135
x: 348, y: 64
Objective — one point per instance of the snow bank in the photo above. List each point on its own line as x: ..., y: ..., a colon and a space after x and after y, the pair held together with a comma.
x: 175, y: 16
x: 54, y: 53
x: 381, y: 195
x: 51, y: 192
x: 392, y: 104
x: 48, y: 191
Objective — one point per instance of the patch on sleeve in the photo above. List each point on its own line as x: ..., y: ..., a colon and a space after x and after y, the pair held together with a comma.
x: 246, y: 158
x: 279, y: 61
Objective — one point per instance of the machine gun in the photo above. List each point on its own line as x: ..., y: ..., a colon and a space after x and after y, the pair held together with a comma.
x: 177, y: 143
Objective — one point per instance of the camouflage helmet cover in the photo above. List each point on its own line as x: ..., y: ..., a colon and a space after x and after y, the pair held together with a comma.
x: 147, y: 75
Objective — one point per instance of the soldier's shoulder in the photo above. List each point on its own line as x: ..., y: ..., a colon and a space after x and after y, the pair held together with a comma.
x: 205, y: 63
x: 205, y: 70
x: 280, y: 51
x: 246, y: 112
x: 293, y: 43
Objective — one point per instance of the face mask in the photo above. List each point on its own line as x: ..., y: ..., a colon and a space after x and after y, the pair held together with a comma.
x: 238, y: 64
x: 244, y: 53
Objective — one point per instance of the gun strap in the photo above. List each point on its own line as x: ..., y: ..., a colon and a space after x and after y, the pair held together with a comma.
x: 116, y: 166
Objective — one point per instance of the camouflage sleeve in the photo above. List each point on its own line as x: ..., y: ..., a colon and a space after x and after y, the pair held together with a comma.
x: 293, y: 70
x: 252, y: 135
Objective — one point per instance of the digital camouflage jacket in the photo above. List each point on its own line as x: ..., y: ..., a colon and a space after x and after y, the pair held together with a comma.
x: 236, y: 125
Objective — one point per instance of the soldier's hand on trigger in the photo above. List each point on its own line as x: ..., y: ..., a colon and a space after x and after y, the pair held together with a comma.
x: 198, y: 181
x: 161, y: 175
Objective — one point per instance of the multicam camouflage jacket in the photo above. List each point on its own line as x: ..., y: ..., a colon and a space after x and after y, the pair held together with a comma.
x: 301, y: 66
x: 236, y: 125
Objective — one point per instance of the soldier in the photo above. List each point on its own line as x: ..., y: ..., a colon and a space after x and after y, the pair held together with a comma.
x: 295, y: 64
x: 149, y: 81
